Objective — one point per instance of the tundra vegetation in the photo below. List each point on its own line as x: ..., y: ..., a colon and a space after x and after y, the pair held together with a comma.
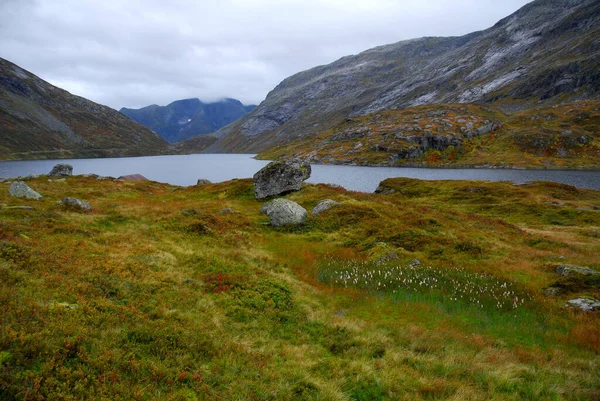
x: 429, y: 290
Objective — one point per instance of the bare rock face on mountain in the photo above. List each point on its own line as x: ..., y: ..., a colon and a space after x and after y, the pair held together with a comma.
x: 280, y: 177
x: 545, y: 52
x: 39, y: 120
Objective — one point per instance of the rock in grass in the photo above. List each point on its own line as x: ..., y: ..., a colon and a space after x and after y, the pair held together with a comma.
x: 19, y: 189
x: 584, y: 304
x: 283, y: 212
x: 75, y: 203
x: 280, y: 177
x: 61, y: 170
x: 227, y: 210
x: 132, y: 177
x: 569, y: 270
x: 202, y: 181
x: 553, y: 291
x: 323, y: 206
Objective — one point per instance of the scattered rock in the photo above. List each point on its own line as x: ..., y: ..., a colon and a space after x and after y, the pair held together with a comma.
x: 382, y: 189
x: 202, y: 181
x: 584, y: 304
x: 19, y: 189
x: 61, y: 170
x: 76, y: 203
x: 553, y: 291
x: 567, y: 270
x: 227, y: 210
x: 323, y: 206
x: 388, y: 257
x: 19, y: 207
x: 283, y: 212
x: 414, y: 263
x: 132, y: 177
x: 280, y: 177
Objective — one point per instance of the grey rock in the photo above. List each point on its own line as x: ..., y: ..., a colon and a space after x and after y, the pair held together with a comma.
x: 388, y: 257
x: 227, y: 210
x: 19, y: 189
x: 382, y: 189
x: 264, y: 209
x: 132, y: 177
x: 283, y: 212
x: 280, y: 177
x: 202, y: 181
x: 584, y: 304
x: 76, y: 203
x: 552, y: 291
x: 323, y: 206
x: 567, y: 270
x: 61, y: 170
x: 191, y: 281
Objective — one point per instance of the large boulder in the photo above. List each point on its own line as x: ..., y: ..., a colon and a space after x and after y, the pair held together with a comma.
x: 280, y: 177
x: 61, y: 170
x: 75, y: 203
x: 19, y: 189
x: 283, y: 212
x: 569, y: 270
x: 323, y: 206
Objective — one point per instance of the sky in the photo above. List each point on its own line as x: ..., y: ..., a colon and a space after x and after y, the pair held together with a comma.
x: 133, y: 53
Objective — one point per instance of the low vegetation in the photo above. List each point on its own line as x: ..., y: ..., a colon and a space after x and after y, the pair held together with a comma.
x: 560, y: 136
x: 434, y: 290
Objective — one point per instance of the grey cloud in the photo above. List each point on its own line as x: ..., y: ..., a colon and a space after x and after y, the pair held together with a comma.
x: 134, y: 53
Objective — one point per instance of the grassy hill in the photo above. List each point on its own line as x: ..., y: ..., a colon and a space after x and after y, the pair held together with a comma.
x: 160, y: 294
x: 560, y: 136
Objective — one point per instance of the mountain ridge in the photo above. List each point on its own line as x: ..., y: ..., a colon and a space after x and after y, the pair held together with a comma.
x: 182, y: 119
x: 40, y: 120
x: 546, y: 52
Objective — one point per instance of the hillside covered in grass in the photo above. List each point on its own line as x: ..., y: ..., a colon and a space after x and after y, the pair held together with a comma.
x: 561, y: 136
x: 434, y: 290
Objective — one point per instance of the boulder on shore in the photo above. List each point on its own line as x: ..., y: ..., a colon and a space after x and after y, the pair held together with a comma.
x: 283, y: 212
x: 280, y: 177
x: 61, y: 170
x: 19, y: 189
x: 132, y: 177
x: 75, y: 203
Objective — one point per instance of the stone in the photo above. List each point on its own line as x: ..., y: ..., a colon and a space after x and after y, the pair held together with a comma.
x: 264, y: 209
x: 132, y: 177
x: 283, y: 212
x: 19, y: 189
x: 202, y: 181
x: 323, y: 206
x: 61, y: 170
x: 584, y: 304
x: 382, y: 189
x: 280, y: 177
x: 567, y: 270
x: 552, y: 291
x: 75, y: 203
x: 227, y: 210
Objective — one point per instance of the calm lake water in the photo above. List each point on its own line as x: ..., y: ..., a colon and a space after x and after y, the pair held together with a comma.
x: 185, y: 170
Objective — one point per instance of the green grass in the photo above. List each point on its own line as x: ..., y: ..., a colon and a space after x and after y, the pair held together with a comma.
x: 163, y: 297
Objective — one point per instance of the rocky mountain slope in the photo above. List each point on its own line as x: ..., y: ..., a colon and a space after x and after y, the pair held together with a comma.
x: 558, y: 136
x: 548, y: 52
x: 39, y: 120
x: 183, y: 119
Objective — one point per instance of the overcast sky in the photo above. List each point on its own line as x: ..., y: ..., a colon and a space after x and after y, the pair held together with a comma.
x: 132, y: 53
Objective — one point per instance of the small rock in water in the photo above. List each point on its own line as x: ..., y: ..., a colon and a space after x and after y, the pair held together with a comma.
x: 19, y: 189
x: 76, y: 203
x: 323, y: 206
x: 61, y: 170
x: 584, y: 304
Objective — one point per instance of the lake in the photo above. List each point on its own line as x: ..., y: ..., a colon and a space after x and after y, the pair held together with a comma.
x: 186, y: 169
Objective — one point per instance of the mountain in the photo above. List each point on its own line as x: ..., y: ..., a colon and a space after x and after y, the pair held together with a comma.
x: 183, y: 119
x: 39, y: 120
x: 547, y: 52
